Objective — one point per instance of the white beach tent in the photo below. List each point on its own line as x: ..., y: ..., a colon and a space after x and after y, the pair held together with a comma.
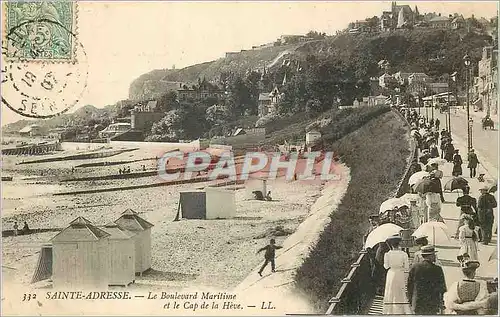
x: 220, y: 203
x: 130, y: 221
x: 121, y: 255
x: 80, y: 256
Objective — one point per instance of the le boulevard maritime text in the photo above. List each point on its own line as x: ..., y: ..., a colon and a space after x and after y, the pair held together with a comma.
x: 190, y: 301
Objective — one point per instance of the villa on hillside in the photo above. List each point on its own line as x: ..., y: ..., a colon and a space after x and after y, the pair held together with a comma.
x: 268, y: 102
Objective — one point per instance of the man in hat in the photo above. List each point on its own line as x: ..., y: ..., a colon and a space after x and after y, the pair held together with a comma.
x: 467, y: 205
x: 426, y: 284
x: 467, y: 295
x: 485, y: 205
x: 472, y: 163
x: 421, y: 241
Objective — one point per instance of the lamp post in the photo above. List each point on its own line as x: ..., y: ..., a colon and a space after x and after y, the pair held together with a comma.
x: 467, y: 63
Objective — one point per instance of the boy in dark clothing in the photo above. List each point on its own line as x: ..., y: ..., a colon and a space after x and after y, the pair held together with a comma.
x: 269, y: 255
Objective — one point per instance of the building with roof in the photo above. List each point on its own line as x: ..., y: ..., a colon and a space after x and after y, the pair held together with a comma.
x: 121, y: 255
x: 141, y: 230
x: 80, y: 256
x: 440, y: 22
x: 386, y: 80
x: 458, y: 22
x: 142, y: 117
x: 487, y: 84
x: 268, y: 102
x: 399, y: 16
x: 31, y: 130
x: 437, y: 88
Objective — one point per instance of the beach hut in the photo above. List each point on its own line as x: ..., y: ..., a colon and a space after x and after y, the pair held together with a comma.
x: 220, y: 203
x: 121, y: 255
x: 130, y: 220
x: 213, y: 203
x: 80, y: 256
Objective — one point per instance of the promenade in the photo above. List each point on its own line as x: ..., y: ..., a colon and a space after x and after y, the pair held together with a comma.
x: 447, y: 254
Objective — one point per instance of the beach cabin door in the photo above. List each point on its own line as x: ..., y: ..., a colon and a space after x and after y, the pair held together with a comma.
x: 65, y: 264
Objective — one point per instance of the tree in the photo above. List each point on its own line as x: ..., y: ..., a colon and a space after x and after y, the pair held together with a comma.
x: 217, y: 114
x: 169, y: 128
x: 167, y: 102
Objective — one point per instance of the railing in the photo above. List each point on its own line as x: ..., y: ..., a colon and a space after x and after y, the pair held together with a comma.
x: 357, y: 290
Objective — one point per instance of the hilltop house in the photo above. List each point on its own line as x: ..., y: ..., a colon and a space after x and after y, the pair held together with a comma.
x: 458, y: 22
x: 399, y: 16
x: 440, y: 22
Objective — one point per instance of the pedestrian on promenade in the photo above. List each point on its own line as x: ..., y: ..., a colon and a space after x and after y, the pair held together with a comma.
x: 485, y: 205
x: 457, y: 164
x: 437, y: 123
x: 269, y: 255
x: 397, y: 263
x: 422, y: 241
x: 434, y: 152
x: 468, y: 238
x: 467, y: 296
x: 468, y: 206
x: 424, y: 158
x: 435, y: 167
x: 426, y: 284
x: 16, y: 228
x: 414, y: 214
x: 379, y: 272
x: 448, y: 152
x: 434, y: 198
x: 473, y: 162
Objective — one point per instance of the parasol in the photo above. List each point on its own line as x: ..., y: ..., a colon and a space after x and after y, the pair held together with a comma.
x: 414, y: 178
x: 436, y: 160
x: 456, y: 183
x: 435, y: 232
x: 381, y: 233
x: 392, y: 203
x: 423, y: 186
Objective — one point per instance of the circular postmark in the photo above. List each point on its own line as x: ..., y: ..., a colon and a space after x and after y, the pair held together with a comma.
x: 36, y: 81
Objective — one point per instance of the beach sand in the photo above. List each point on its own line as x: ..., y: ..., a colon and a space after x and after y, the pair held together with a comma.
x: 215, y: 253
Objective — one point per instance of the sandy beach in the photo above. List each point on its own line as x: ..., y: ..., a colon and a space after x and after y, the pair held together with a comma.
x: 186, y: 253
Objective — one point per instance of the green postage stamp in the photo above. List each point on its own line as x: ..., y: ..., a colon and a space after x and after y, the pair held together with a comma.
x: 40, y: 31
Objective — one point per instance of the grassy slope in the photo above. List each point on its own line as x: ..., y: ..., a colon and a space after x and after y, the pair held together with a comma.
x: 376, y: 154
x: 293, y: 128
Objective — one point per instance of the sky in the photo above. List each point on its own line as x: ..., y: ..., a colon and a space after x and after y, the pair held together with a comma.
x: 124, y: 40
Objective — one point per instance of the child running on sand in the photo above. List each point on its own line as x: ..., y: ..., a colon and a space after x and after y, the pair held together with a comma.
x: 269, y: 255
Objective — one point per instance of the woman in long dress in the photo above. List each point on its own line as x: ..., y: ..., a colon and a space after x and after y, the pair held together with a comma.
x: 468, y: 239
x: 396, y: 261
x: 457, y: 164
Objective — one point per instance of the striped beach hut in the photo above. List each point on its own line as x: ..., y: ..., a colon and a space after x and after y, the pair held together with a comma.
x: 130, y: 220
x: 80, y: 256
x: 121, y: 255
